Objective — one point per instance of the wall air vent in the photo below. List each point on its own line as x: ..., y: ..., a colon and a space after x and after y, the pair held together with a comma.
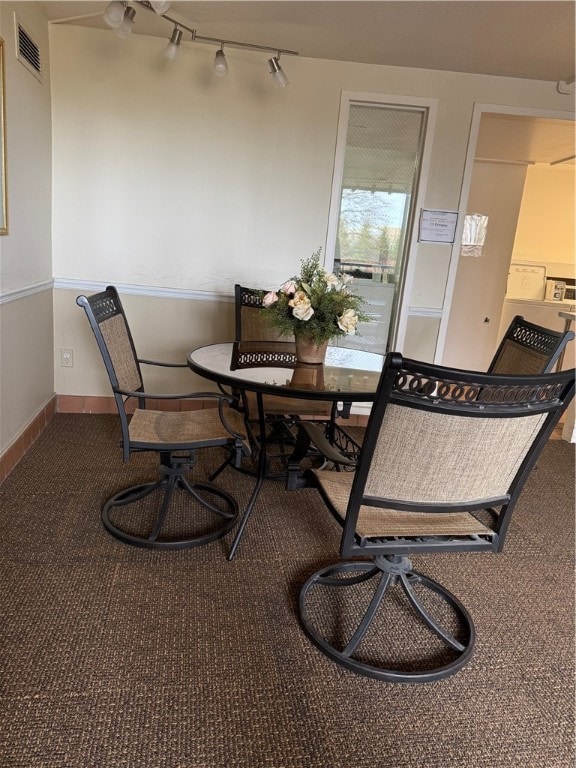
x: 27, y: 51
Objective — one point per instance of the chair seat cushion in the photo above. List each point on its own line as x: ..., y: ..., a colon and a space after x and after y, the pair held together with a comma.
x: 379, y: 522
x: 184, y: 428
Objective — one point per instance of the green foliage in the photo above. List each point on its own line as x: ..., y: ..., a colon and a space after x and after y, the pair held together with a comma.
x: 328, y: 295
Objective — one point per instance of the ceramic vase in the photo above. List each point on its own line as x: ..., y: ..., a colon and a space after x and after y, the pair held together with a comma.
x: 307, y: 351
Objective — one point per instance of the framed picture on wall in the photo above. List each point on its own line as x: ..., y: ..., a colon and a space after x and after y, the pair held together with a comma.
x: 3, y: 204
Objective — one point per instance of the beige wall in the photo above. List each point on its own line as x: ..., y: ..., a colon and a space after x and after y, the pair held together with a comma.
x: 26, y: 370
x: 545, y: 231
x: 26, y: 322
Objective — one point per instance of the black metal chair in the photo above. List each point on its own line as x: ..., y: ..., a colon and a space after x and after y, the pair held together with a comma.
x: 256, y: 337
x: 440, y: 471
x: 527, y: 348
x: 189, y: 513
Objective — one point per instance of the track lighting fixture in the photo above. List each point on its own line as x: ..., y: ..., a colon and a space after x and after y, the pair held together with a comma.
x: 119, y: 15
x: 220, y: 63
x: 278, y: 74
x: 173, y: 47
x: 125, y: 28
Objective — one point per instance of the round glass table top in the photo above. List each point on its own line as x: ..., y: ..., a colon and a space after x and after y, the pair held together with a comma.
x: 349, y: 374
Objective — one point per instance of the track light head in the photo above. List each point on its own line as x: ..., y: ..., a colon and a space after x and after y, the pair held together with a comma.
x: 125, y: 29
x: 220, y: 63
x: 277, y: 72
x: 114, y: 13
x: 173, y: 48
x: 160, y: 6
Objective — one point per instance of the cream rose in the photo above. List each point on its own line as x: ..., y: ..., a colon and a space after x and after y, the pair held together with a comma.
x: 333, y: 282
x: 348, y: 321
x: 270, y: 298
x: 302, y: 309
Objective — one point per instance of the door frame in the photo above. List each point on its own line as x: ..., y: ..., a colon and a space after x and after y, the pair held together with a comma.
x: 348, y: 98
x: 479, y: 109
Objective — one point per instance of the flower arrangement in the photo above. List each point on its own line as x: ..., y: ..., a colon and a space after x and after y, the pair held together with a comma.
x: 315, y: 305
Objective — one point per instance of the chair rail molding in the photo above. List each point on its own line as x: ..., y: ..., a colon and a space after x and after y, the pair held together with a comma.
x: 143, y: 290
x: 27, y: 290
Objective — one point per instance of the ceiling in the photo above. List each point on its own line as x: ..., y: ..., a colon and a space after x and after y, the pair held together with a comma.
x: 533, y: 40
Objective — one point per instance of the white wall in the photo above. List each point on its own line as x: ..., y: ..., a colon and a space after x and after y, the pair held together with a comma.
x: 26, y: 318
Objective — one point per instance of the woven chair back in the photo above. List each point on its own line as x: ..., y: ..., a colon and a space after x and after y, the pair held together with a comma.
x: 528, y: 349
x: 108, y: 322
x: 433, y: 457
x: 251, y: 322
x: 115, y: 334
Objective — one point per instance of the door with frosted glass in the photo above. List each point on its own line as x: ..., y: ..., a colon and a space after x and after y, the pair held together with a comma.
x: 379, y: 177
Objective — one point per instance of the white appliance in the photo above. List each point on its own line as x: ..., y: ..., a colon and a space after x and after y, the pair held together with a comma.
x: 526, y: 281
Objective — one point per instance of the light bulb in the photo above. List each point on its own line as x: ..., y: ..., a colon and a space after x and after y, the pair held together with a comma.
x: 277, y: 72
x: 125, y: 29
x: 220, y: 64
x: 114, y: 14
x: 160, y: 6
x: 173, y: 48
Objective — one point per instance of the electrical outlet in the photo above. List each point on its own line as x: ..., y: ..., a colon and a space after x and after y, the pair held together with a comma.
x: 67, y: 358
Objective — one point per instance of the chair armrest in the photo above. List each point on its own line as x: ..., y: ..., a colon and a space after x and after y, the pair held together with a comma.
x: 179, y: 396
x: 163, y: 365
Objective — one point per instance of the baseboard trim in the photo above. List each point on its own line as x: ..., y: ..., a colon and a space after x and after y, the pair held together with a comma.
x: 18, y: 449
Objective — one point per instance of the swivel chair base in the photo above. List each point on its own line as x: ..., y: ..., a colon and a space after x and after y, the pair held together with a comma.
x: 456, y: 632
x: 197, y: 495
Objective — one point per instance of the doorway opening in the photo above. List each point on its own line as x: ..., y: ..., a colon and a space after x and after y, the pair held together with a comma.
x: 520, y: 174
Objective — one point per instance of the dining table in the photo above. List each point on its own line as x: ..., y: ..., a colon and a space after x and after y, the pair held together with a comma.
x: 271, y: 368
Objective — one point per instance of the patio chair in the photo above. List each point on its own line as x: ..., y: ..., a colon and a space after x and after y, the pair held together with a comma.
x: 440, y: 471
x: 282, y: 413
x: 188, y: 513
x: 528, y: 348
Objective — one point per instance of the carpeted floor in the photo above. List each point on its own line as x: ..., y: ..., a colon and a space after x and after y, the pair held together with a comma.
x: 119, y: 657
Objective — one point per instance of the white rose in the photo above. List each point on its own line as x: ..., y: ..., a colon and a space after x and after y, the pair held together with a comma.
x: 332, y: 282
x: 346, y: 279
x: 348, y: 321
x: 270, y: 298
x: 302, y: 308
